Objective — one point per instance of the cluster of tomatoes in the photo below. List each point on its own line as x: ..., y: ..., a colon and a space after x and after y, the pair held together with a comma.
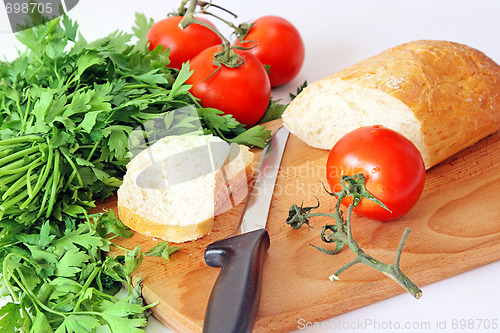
x: 271, y: 53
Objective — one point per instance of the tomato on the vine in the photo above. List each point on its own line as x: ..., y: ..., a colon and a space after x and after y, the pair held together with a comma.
x: 393, y: 167
x: 277, y: 44
x: 242, y: 91
x: 184, y: 44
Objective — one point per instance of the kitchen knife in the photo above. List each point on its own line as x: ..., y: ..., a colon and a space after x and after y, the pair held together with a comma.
x: 234, y: 301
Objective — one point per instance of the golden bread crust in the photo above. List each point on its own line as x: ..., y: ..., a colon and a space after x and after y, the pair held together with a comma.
x: 167, y: 232
x: 452, y: 89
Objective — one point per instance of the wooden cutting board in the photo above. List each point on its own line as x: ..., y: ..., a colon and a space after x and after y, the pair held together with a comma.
x: 455, y: 227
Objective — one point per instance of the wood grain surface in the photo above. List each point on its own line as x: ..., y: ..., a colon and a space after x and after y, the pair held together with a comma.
x: 455, y: 227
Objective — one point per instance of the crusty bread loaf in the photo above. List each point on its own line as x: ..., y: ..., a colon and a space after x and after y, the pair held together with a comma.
x: 171, y: 191
x: 441, y: 95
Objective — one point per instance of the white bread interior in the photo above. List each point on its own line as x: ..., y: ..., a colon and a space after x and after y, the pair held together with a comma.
x: 155, y: 201
x: 441, y: 95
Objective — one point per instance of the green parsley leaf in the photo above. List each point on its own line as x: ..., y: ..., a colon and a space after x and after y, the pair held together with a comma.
x: 79, y: 323
x: 41, y: 323
x: 141, y: 28
x: 256, y: 136
x: 274, y: 111
x: 46, y: 261
x: 70, y: 28
x: 83, y: 237
x: 43, y: 239
x: 116, y: 316
x: 117, y: 139
x: 163, y: 250
x: 299, y: 90
x: 71, y: 263
x: 179, y: 87
x: 133, y: 260
x: 10, y: 317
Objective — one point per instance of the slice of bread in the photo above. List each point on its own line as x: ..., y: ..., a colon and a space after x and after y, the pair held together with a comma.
x: 441, y: 95
x: 173, y: 189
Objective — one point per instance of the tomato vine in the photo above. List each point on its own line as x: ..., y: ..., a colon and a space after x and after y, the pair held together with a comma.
x: 340, y: 232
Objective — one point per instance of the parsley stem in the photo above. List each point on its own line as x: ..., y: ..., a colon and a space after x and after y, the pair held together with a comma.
x: 6, y: 180
x: 81, y: 293
x: 19, y: 184
x: 22, y: 168
x: 7, y: 169
x: 36, y: 302
x: 30, y: 138
x: 136, y: 86
x: 46, y: 169
x: 7, y: 274
x: 28, y: 183
x: 55, y: 183
x: 94, y: 148
x: 20, y: 154
x: 25, y: 116
x: 74, y: 173
x: 41, y: 209
x: 9, y: 203
x: 119, y: 246
x: 22, y: 115
x: 5, y: 151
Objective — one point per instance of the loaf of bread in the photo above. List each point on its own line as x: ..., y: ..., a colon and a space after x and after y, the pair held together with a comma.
x: 173, y: 189
x: 441, y: 95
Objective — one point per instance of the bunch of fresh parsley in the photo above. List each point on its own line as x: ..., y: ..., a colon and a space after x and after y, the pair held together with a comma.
x: 60, y: 280
x: 67, y: 109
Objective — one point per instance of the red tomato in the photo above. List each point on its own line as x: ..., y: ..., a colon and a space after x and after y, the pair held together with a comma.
x: 243, y: 91
x: 392, y: 165
x: 183, y: 44
x: 277, y: 44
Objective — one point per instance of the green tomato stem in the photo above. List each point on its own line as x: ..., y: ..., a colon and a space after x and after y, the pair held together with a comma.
x: 341, y: 233
x: 226, y: 56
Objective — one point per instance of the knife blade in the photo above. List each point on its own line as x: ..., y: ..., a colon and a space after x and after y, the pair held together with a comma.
x: 234, y: 301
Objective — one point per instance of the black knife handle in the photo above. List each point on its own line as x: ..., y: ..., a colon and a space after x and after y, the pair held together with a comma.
x: 234, y: 302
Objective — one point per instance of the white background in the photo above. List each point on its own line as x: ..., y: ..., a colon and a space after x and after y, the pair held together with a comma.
x: 338, y: 34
